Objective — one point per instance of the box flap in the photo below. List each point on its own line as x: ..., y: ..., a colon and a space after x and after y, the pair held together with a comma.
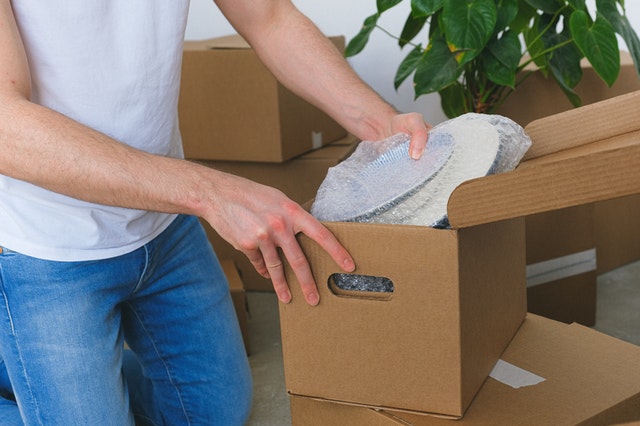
x: 590, y: 378
x: 232, y: 41
x: 580, y: 156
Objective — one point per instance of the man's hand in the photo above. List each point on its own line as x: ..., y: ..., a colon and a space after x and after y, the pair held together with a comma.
x: 262, y: 223
x: 414, y: 125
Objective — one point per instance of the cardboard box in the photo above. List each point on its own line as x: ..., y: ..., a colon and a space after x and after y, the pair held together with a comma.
x: 589, y: 379
x: 298, y: 178
x: 232, y: 108
x: 616, y: 230
x: 561, y: 265
x: 538, y: 97
x: 617, y: 227
x: 459, y: 294
x: 239, y: 299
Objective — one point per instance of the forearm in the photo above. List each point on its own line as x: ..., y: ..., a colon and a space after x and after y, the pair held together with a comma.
x: 50, y: 150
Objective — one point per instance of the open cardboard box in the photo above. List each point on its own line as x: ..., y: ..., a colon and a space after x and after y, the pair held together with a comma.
x: 589, y: 379
x: 459, y: 295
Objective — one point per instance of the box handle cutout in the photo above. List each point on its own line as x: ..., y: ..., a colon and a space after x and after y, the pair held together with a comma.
x: 361, y: 286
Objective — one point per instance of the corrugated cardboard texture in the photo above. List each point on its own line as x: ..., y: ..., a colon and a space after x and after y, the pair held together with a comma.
x: 572, y: 165
x: 299, y: 179
x: 570, y: 299
x: 232, y: 108
x: 309, y: 412
x: 591, y: 379
x: 617, y: 232
x: 556, y: 234
x: 539, y: 97
x: 616, y: 229
x: 459, y: 297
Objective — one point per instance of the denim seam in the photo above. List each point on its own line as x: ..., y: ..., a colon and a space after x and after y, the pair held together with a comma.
x: 166, y: 367
x: 17, y: 348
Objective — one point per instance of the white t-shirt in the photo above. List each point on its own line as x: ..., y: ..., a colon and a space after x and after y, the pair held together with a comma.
x: 113, y: 65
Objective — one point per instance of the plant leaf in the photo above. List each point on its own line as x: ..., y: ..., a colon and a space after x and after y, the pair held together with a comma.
x: 386, y: 4
x: 468, y: 25
x: 421, y: 8
x: 453, y: 100
x: 523, y: 19
x: 357, y: 43
x: 564, y: 62
x: 437, y: 68
x: 621, y: 25
x: 568, y: 91
x: 598, y: 43
x: 411, y: 28
x: 407, y: 66
x: 501, y: 59
x: 578, y: 4
x: 535, y: 45
x: 547, y: 6
x: 506, y: 11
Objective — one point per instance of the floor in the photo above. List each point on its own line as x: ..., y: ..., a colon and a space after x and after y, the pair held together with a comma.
x: 618, y: 314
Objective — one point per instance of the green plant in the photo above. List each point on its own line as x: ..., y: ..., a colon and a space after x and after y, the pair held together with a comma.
x: 477, y: 51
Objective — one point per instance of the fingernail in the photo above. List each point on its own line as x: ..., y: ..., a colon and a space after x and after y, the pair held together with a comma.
x: 415, y: 154
x: 285, y: 298
x: 348, y: 265
x: 313, y: 299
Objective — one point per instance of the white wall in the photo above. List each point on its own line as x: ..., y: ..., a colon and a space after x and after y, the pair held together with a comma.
x: 377, y: 63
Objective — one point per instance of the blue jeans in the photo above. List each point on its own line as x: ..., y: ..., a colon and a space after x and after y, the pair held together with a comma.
x: 63, y: 325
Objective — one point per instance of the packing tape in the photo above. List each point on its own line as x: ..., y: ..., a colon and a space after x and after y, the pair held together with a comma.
x: 561, y: 267
x: 514, y: 376
x: 316, y: 140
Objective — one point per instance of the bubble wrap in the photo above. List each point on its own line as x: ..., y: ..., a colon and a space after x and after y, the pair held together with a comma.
x: 380, y: 183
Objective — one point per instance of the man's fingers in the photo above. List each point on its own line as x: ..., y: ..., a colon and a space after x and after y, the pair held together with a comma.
x: 329, y: 243
x: 300, y: 266
x: 256, y: 259
x: 276, y: 272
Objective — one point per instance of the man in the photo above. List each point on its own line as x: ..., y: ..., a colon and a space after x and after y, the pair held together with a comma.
x: 99, y: 236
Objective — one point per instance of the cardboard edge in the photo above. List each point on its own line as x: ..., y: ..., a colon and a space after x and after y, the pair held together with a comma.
x: 548, y: 185
x: 378, y: 408
x: 563, y: 131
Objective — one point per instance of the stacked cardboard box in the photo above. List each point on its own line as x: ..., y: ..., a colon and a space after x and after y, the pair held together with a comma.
x: 236, y: 117
x: 459, y: 294
x: 566, y: 250
x: 588, y: 379
x: 232, y: 108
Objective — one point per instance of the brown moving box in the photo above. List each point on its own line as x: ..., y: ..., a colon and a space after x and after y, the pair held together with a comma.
x: 459, y: 294
x: 561, y: 265
x: 239, y: 299
x: 616, y: 230
x: 232, y: 108
x: 298, y: 178
x: 589, y: 379
x: 560, y: 237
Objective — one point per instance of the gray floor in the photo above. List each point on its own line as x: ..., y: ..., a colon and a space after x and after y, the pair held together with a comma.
x: 618, y: 314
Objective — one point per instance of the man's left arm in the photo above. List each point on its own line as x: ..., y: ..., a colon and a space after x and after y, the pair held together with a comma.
x: 305, y: 61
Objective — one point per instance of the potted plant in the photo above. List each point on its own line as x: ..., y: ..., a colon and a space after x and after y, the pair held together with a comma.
x: 477, y: 51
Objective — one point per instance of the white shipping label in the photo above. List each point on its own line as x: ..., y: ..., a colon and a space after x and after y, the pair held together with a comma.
x: 513, y: 376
